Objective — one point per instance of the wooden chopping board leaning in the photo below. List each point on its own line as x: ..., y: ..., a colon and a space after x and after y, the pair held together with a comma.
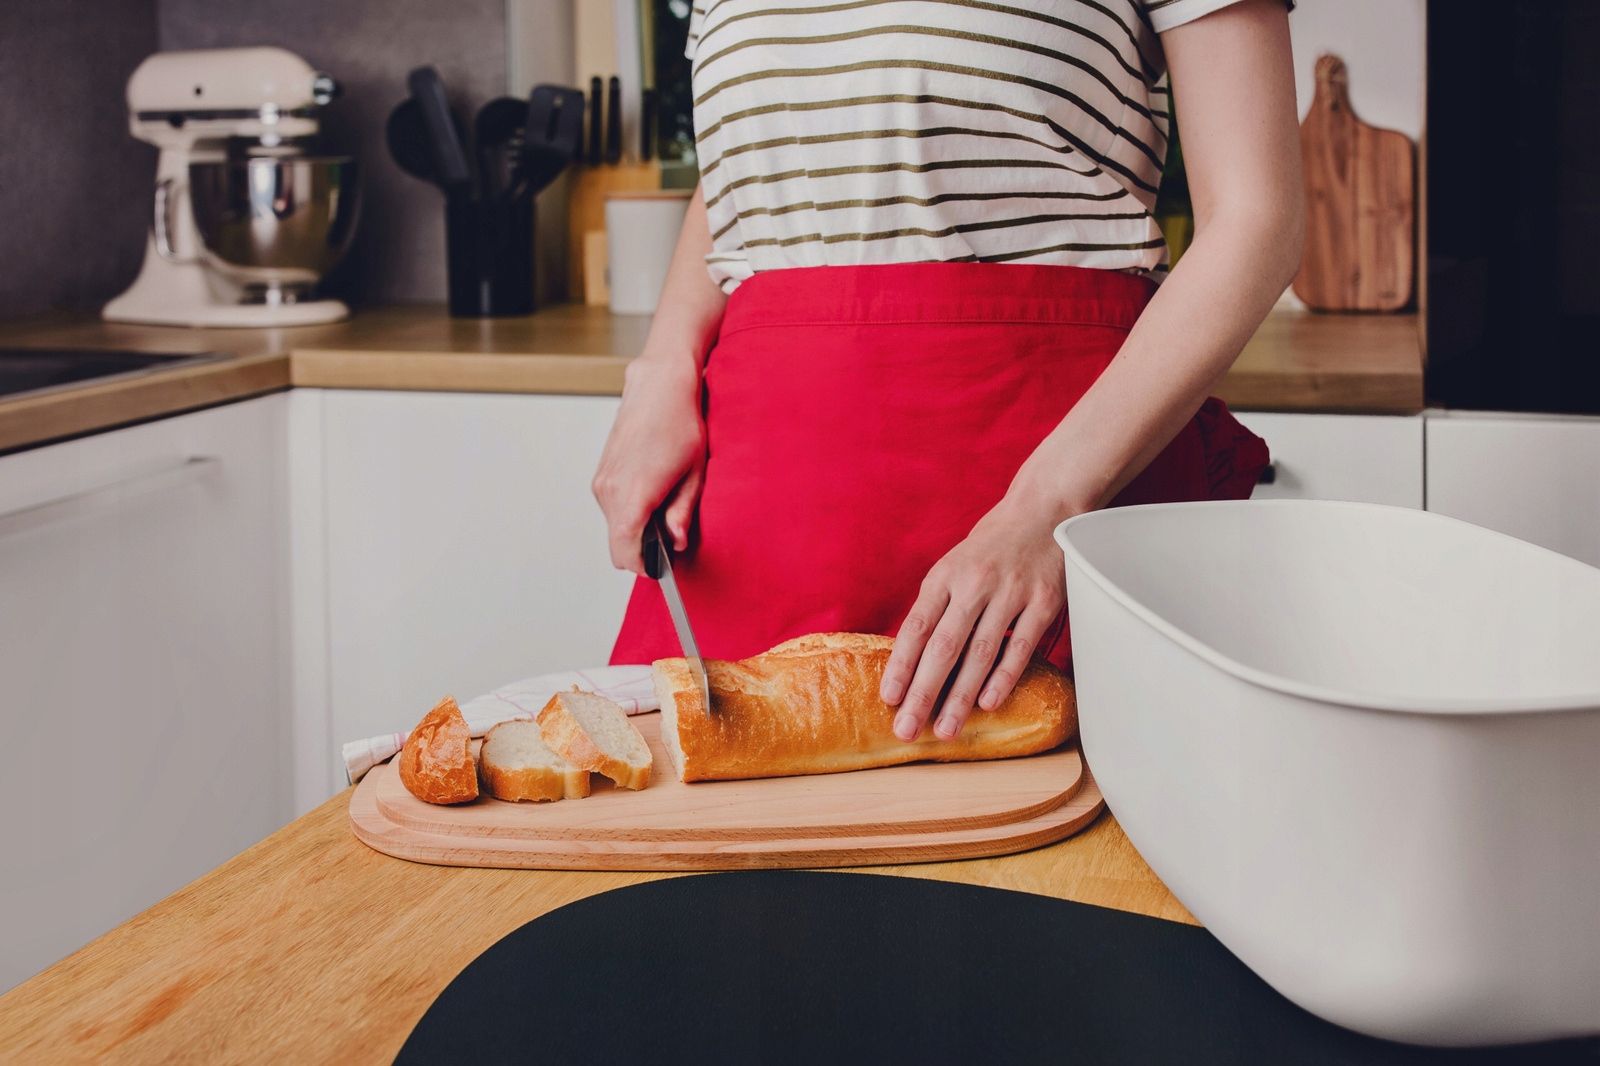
x: 1360, y: 252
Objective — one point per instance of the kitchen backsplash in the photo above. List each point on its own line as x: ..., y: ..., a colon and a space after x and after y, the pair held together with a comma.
x: 78, y: 187
x: 74, y: 186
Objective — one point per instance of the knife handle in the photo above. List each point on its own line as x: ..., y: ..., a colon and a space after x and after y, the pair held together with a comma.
x: 654, y: 547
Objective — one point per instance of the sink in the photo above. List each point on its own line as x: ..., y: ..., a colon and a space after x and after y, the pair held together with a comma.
x: 25, y: 370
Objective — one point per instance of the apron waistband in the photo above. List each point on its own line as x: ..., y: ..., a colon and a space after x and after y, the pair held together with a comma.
x: 937, y: 292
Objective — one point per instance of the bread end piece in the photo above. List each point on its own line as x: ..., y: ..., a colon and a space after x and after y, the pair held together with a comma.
x: 593, y: 733
x: 436, y: 763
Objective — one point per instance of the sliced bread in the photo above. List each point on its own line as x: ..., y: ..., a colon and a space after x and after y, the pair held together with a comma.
x: 594, y: 733
x: 515, y: 764
x: 436, y: 762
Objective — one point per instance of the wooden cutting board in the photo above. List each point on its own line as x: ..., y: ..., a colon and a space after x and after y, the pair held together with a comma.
x: 925, y: 812
x: 1360, y: 250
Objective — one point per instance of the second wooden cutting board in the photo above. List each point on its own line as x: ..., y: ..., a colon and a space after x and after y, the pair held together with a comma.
x: 1360, y: 251
x: 924, y: 812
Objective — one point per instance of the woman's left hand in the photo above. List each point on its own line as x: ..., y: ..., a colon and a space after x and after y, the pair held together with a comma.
x: 1007, y: 575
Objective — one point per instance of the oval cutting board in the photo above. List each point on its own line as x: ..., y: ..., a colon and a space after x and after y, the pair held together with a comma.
x: 925, y: 812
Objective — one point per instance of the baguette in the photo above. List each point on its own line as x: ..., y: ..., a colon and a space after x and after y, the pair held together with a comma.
x: 594, y: 733
x: 811, y: 706
x: 515, y: 764
x: 436, y: 763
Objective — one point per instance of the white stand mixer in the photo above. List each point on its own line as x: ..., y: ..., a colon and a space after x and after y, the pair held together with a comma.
x: 245, y: 224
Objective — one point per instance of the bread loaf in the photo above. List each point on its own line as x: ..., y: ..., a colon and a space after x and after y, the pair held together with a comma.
x: 811, y: 706
x: 436, y: 761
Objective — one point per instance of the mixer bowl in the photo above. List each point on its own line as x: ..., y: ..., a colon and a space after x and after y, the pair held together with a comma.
x: 275, y: 225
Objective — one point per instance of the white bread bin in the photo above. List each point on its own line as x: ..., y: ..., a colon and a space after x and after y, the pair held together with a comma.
x: 1362, y: 745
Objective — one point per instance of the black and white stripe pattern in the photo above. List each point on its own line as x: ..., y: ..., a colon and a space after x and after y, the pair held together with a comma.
x: 841, y: 132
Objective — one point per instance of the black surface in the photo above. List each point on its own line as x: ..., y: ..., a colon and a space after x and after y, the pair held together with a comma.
x: 26, y: 369
x: 1513, y: 202
x: 807, y: 967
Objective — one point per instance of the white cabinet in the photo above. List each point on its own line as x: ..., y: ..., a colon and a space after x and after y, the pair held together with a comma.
x: 143, y: 698
x: 462, y: 549
x: 1366, y: 458
x: 1536, y: 477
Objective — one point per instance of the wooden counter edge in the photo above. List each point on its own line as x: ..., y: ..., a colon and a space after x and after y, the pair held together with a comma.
x: 310, y: 941
x: 31, y: 420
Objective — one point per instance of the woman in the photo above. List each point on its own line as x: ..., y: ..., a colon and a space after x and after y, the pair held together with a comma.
x: 914, y: 320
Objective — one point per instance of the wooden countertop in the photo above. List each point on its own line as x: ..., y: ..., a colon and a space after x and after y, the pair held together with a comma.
x: 311, y: 946
x: 1296, y: 362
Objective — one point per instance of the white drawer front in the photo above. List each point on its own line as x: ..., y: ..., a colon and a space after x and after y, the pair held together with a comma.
x: 1364, y: 458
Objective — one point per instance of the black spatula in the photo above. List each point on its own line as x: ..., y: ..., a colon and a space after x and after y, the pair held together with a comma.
x: 552, y: 136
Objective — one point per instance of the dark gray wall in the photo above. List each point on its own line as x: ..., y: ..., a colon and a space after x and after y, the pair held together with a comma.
x: 74, y: 187
x: 369, y: 45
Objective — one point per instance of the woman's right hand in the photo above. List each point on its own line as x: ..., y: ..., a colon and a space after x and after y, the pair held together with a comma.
x: 655, y: 455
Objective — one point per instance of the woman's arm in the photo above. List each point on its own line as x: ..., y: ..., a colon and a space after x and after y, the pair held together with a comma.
x: 656, y: 451
x: 1233, y: 83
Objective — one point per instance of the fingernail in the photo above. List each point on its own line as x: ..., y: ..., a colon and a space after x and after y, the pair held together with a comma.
x: 905, y: 727
x: 946, y: 728
x: 892, y: 691
x: 989, y: 698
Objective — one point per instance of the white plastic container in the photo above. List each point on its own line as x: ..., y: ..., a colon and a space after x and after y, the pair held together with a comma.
x: 1362, y: 745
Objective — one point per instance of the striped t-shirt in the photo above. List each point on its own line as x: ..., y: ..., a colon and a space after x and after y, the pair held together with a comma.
x: 844, y: 132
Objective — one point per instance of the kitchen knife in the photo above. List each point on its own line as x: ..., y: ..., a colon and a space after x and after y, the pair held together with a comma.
x: 597, y: 111
x: 658, y: 565
x: 647, y: 126
x: 614, y: 121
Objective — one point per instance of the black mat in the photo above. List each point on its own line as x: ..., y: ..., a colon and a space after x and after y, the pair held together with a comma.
x: 821, y: 968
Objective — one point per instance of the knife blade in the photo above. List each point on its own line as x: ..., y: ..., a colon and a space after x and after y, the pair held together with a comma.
x: 658, y: 565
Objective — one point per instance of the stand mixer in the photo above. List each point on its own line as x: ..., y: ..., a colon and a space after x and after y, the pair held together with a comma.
x: 246, y: 220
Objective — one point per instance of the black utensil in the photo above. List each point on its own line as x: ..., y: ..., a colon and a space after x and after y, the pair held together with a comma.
x: 647, y: 125
x: 553, y: 133
x: 597, y: 112
x: 444, y: 138
x: 407, y: 135
x: 497, y: 131
x: 614, y: 121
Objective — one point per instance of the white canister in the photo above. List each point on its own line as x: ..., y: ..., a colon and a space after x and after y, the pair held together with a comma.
x: 641, y: 232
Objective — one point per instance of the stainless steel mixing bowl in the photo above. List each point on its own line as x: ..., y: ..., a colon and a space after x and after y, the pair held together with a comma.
x: 275, y: 225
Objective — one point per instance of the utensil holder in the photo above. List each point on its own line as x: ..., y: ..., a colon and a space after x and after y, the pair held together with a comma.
x: 489, y: 244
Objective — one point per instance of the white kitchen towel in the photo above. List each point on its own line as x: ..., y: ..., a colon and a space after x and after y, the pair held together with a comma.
x: 629, y: 686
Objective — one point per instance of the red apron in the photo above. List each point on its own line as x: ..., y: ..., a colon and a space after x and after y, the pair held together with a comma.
x: 860, y: 420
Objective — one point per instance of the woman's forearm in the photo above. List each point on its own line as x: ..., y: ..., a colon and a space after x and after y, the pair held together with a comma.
x: 691, y: 305
x: 1242, y: 153
x: 1182, y: 345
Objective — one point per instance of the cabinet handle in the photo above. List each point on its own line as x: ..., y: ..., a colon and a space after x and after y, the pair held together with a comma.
x: 164, y: 475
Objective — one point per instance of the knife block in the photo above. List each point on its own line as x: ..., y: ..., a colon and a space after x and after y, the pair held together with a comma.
x: 489, y: 245
x: 586, y: 212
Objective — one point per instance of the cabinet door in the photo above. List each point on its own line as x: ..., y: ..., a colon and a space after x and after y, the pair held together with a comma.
x: 1536, y: 478
x: 464, y: 549
x: 141, y: 669
x: 1366, y: 458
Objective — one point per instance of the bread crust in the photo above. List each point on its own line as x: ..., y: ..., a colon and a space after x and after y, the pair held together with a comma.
x: 530, y: 782
x: 811, y: 706
x: 566, y: 737
x: 436, y: 763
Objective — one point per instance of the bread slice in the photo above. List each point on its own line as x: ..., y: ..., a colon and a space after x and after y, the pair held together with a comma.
x: 811, y: 706
x: 593, y: 733
x: 436, y: 763
x: 515, y: 764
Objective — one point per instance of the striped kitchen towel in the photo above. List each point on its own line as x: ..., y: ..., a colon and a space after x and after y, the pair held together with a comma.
x: 628, y: 686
